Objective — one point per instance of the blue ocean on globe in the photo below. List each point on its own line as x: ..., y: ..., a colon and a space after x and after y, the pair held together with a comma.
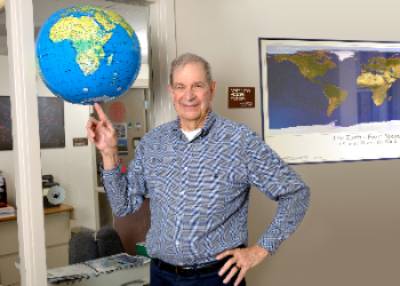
x: 87, y: 54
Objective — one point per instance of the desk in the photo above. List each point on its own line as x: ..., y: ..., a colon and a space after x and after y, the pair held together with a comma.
x: 139, y: 276
x: 57, y: 235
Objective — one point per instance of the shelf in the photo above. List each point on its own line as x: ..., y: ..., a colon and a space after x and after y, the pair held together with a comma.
x: 53, y: 210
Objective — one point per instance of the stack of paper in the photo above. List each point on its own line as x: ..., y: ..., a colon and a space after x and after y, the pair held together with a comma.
x: 7, y: 211
x: 70, y: 273
x: 91, y: 268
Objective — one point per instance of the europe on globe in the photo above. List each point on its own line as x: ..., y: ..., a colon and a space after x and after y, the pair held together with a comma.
x: 87, y: 54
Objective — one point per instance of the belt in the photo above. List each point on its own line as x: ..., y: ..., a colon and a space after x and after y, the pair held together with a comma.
x: 189, y: 270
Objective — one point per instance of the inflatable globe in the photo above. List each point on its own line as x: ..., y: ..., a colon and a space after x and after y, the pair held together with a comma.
x: 87, y: 54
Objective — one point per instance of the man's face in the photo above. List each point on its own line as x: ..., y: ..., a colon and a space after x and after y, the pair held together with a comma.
x: 191, y: 95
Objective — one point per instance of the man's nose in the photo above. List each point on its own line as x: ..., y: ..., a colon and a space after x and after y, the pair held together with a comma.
x: 189, y: 94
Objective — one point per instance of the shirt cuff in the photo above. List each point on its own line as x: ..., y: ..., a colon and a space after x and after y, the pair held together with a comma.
x: 270, y: 244
x: 111, y: 172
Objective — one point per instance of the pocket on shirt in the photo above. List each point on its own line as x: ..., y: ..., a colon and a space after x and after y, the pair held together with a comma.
x: 157, y: 176
x: 206, y: 208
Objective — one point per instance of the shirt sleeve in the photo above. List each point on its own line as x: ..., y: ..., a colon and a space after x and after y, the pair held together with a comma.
x: 278, y: 181
x: 126, y: 192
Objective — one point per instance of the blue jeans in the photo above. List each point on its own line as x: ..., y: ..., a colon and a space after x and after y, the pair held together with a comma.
x: 159, y: 277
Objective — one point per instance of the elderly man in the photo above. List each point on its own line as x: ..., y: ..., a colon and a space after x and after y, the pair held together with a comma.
x: 197, y: 172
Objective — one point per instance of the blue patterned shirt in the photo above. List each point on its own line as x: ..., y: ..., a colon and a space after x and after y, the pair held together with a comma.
x: 199, y: 190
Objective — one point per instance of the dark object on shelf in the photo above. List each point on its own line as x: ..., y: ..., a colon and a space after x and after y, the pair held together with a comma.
x: 47, y: 181
x: 3, y: 190
x: 53, y: 193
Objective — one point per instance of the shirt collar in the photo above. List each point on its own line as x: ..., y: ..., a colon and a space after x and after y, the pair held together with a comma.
x: 211, y: 118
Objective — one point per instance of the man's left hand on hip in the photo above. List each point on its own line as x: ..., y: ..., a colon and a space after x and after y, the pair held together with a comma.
x: 240, y: 261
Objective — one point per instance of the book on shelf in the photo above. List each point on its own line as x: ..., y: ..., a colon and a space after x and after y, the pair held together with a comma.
x: 7, y: 211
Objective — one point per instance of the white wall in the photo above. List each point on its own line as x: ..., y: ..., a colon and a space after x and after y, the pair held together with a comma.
x: 72, y: 167
x: 350, y: 235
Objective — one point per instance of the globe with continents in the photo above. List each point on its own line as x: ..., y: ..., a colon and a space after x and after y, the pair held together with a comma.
x: 87, y: 54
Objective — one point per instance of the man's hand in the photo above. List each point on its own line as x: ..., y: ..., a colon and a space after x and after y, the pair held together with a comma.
x: 241, y: 261
x: 102, y: 133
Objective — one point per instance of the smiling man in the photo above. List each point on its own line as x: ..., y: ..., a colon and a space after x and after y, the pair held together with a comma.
x: 197, y: 172
x: 192, y: 91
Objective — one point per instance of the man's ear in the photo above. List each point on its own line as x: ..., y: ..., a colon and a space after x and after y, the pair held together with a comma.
x: 213, y: 85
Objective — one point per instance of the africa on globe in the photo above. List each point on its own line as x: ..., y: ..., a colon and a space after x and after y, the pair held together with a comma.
x: 87, y: 54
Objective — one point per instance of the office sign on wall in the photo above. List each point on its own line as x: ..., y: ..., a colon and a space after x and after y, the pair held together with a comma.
x: 241, y: 97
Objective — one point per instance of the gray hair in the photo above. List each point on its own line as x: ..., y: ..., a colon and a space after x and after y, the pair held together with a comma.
x: 189, y: 58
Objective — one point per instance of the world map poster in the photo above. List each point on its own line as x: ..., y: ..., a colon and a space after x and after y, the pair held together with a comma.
x: 326, y: 101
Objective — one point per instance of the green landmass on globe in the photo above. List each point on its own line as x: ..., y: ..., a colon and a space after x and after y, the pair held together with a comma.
x: 87, y: 38
x: 378, y: 75
x: 313, y: 65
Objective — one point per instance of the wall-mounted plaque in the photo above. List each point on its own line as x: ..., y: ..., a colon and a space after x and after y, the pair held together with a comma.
x: 241, y: 97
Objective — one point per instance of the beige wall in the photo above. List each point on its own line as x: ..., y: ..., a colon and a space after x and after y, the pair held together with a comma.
x: 351, y: 233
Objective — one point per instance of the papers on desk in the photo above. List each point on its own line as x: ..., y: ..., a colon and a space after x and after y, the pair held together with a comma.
x: 116, y: 262
x: 70, y: 273
x: 87, y: 269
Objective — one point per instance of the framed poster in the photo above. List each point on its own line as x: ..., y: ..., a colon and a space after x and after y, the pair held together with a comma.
x: 329, y: 100
x: 51, y: 123
x: 5, y: 124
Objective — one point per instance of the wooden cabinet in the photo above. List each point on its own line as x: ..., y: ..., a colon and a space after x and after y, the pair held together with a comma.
x: 57, y: 234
